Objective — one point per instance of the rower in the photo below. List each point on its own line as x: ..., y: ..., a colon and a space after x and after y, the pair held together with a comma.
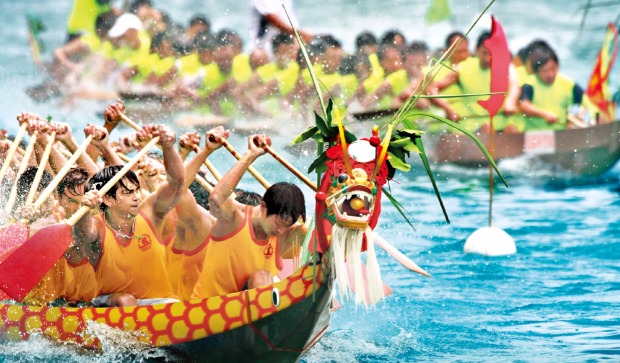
x: 127, y: 235
x: 247, y: 243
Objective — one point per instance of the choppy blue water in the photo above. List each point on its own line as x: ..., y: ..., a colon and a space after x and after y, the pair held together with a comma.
x: 556, y: 300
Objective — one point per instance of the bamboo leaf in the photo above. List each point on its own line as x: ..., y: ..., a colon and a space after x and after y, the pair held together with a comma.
x: 430, y: 175
x: 471, y: 136
x: 398, y: 163
x: 305, y: 135
x: 318, y: 164
x: 321, y: 124
x: 399, y: 207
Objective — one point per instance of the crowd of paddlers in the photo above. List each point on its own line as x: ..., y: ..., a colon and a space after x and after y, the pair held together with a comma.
x: 142, y: 228
x: 143, y: 53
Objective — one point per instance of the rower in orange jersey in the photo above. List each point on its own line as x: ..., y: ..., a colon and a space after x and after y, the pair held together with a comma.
x: 247, y: 243
x: 124, y: 242
x: 187, y: 249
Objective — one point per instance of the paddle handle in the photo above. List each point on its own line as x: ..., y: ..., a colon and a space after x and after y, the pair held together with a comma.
x: 251, y: 169
x: 397, y: 255
x: 22, y: 168
x: 42, y: 162
x: 291, y: 168
x: 62, y: 172
x: 208, y: 164
x: 121, y: 173
x: 12, y: 149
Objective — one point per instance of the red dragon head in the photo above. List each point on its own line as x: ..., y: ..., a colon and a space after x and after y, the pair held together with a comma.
x: 348, y: 205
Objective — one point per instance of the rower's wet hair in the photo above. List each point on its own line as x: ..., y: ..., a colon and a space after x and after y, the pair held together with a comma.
x: 204, y: 41
x: 285, y: 200
x: 72, y: 180
x: 106, y: 174
x: 484, y: 36
x: 365, y: 38
x: 104, y: 23
x: 248, y: 198
x: 452, y: 37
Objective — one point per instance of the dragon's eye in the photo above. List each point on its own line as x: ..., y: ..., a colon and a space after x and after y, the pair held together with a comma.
x: 342, y: 178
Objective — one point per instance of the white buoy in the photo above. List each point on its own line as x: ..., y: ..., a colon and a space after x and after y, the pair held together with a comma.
x: 490, y: 241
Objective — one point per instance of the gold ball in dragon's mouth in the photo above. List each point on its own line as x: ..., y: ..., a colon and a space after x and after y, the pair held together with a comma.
x: 356, y: 203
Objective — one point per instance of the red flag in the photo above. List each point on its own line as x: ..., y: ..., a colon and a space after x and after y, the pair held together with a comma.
x: 598, y: 91
x: 500, y: 62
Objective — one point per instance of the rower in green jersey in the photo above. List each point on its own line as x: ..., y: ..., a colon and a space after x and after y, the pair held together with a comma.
x: 395, y: 80
x: 83, y: 17
x: 128, y: 40
x: 272, y: 84
x: 366, y: 43
x: 221, y: 86
x: 70, y: 57
x: 157, y: 69
x: 474, y: 77
x: 547, y: 96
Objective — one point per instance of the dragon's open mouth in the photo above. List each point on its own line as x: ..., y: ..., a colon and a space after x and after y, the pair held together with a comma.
x: 354, y: 207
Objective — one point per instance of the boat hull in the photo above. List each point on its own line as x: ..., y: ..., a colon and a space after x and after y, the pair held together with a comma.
x: 272, y: 323
x: 586, y: 152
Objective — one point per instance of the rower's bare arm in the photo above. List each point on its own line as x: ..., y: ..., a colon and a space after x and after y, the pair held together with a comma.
x: 529, y: 109
x: 219, y: 200
x: 86, y: 232
x: 168, y: 194
x: 64, y: 135
x: 213, y: 141
x: 101, y: 143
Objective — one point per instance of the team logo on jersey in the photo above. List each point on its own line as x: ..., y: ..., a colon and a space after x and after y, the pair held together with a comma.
x: 268, y: 251
x: 144, y: 242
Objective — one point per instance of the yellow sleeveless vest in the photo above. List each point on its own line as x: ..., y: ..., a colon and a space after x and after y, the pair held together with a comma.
x: 84, y: 15
x: 137, y: 267
x: 231, y: 260
x: 556, y: 98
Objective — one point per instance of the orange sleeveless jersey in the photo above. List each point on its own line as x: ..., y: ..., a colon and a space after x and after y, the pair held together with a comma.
x: 231, y: 260
x: 137, y: 267
x: 85, y: 280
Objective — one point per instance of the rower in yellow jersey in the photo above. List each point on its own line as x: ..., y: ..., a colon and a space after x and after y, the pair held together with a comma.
x: 395, y: 79
x: 474, y: 77
x: 248, y: 242
x: 125, y: 242
x: 83, y: 15
x: 187, y: 249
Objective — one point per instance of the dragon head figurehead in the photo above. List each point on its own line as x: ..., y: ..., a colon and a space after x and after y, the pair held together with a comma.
x: 348, y: 205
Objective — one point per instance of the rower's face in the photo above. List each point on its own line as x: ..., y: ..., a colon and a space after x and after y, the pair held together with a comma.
x: 331, y: 62
x: 484, y: 56
x: 223, y: 56
x: 461, y: 53
x: 548, y: 72
x: 392, y: 60
x: 275, y: 225
x: 70, y: 200
x: 126, y: 201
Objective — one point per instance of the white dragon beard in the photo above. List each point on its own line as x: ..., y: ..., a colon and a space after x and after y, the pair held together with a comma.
x: 347, y: 245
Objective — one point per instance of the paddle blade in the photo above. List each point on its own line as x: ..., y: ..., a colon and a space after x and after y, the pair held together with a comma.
x: 11, y: 237
x: 24, y: 268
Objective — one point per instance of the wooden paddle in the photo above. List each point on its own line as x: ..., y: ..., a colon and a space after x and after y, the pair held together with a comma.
x: 12, y: 149
x: 207, y: 163
x: 24, y: 268
x: 21, y: 169
x: 391, y: 250
x: 251, y: 169
x: 15, y: 234
x: 41, y: 169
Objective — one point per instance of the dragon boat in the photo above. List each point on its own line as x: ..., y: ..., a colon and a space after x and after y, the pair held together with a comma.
x: 589, y: 151
x: 278, y: 322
